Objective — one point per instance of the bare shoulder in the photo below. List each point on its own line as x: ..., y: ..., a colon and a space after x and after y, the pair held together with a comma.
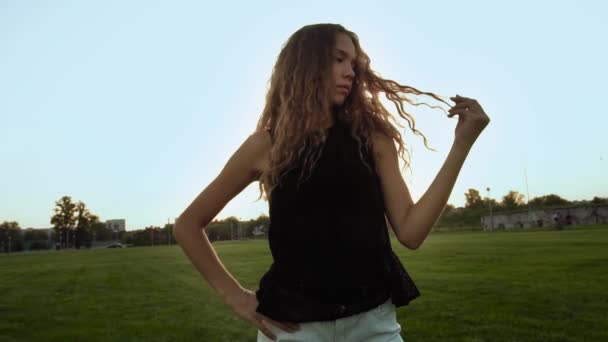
x: 251, y: 157
x: 383, y: 146
x: 259, y: 144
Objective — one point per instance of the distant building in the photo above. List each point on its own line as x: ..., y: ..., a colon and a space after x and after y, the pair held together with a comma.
x: 550, y: 217
x: 119, y: 225
x: 258, y: 231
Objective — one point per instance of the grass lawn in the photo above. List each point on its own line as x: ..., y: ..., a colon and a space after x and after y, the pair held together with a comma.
x: 476, y: 286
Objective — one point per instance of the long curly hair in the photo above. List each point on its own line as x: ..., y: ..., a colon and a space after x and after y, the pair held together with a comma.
x: 298, y: 108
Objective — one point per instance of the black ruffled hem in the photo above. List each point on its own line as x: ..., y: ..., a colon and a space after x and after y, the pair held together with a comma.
x: 403, y: 289
x: 282, y: 304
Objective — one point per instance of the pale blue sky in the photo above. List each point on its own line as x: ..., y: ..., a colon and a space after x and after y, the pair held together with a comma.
x: 135, y: 106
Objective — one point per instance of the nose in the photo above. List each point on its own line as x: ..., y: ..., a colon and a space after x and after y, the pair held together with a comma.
x: 350, y: 73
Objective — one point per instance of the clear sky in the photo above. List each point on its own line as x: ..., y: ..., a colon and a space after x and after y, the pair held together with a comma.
x: 135, y: 106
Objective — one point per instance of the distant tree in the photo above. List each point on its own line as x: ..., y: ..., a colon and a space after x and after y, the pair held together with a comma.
x: 448, y: 208
x: 233, y: 226
x: 148, y: 236
x: 35, y: 235
x: 447, y: 211
x: 599, y: 200
x: 168, y: 231
x: 473, y: 199
x: 35, y: 239
x: 512, y: 200
x: 64, y: 219
x: 154, y: 235
x: 490, y: 201
x: 84, y: 226
x: 101, y: 232
x: 548, y: 200
x: 261, y: 222
x: 10, y: 235
x: 220, y: 230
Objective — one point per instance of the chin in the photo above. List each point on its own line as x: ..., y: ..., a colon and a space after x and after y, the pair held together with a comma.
x: 339, y: 101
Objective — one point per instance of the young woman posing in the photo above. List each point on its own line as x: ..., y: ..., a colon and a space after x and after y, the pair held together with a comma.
x: 325, y: 155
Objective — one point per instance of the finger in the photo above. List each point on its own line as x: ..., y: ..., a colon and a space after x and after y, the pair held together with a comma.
x: 459, y: 99
x: 466, y: 109
x: 286, y: 326
x: 461, y: 105
x: 464, y: 98
x: 296, y: 325
x: 464, y: 102
x: 292, y: 325
x: 459, y: 111
x: 267, y: 332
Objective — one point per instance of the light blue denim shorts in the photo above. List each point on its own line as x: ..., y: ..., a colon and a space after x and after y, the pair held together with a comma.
x: 376, y: 325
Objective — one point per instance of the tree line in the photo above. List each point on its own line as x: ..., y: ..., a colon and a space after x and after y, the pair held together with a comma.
x: 477, y: 206
x: 75, y: 226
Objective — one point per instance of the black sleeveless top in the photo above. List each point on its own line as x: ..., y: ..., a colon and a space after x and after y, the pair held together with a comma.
x: 329, y: 240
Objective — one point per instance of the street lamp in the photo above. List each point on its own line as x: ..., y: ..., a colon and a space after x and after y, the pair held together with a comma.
x: 231, y: 230
x: 490, y: 204
x: 168, y: 232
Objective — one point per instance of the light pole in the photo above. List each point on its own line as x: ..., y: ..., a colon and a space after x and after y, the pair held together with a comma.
x: 168, y: 232
x: 528, y: 197
x: 231, y: 230
x: 490, y: 204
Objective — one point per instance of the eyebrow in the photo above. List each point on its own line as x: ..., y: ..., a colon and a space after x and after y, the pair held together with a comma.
x: 342, y: 52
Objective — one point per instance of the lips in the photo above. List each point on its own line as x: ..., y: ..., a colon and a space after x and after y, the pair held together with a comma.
x: 343, y: 87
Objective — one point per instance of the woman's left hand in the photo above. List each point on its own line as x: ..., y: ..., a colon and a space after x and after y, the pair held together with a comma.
x: 471, y: 120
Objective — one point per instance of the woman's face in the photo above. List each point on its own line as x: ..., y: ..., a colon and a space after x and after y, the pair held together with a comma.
x: 343, y: 66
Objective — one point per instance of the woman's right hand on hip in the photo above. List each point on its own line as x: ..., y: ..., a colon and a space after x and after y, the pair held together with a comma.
x: 244, y: 304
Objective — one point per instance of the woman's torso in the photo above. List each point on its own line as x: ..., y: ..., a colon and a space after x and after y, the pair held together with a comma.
x: 328, y: 236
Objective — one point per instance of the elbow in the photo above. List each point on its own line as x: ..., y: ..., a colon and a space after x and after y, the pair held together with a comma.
x: 411, y: 245
x: 410, y: 242
x: 178, y: 226
x: 178, y: 229
x: 182, y: 226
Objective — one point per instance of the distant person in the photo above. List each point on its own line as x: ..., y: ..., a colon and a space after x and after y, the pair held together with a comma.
x: 325, y: 154
x: 557, y: 219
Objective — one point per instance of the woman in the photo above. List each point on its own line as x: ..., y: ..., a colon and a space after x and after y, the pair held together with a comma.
x: 324, y: 154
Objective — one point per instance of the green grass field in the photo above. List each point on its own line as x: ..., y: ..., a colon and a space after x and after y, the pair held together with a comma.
x: 503, y: 286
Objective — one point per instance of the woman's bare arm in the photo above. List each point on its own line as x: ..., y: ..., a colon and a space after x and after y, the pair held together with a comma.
x: 241, y: 170
x: 413, y: 222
